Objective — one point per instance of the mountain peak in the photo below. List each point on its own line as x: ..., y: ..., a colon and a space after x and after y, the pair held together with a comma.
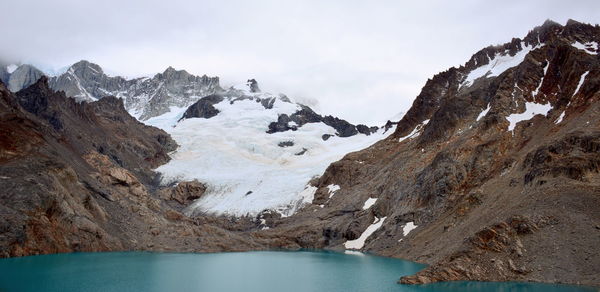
x: 85, y: 66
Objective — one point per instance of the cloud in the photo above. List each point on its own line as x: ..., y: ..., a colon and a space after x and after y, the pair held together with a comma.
x: 361, y: 60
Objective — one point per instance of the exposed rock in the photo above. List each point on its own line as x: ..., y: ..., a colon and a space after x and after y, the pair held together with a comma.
x: 285, y: 144
x: 203, y: 108
x: 148, y: 97
x: 185, y: 192
x: 307, y: 115
x: 253, y: 85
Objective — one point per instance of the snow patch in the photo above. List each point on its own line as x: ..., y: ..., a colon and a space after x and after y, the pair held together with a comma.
x: 590, y: 48
x: 368, y: 203
x: 497, y: 65
x: 535, y: 92
x: 332, y: 189
x: 531, y: 109
x: 408, y: 227
x: 360, y: 241
x: 484, y: 112
x: 415, y: 132
x: 11, y: 68
x: 581, y: 80
x: 560, y: 118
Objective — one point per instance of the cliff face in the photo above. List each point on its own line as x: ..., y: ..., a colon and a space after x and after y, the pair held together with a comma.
x: 76, y: 177
x: 496, y: 163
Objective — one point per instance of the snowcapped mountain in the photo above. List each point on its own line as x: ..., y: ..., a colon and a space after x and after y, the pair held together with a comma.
x: 255, y: 151
x: 143, y: 97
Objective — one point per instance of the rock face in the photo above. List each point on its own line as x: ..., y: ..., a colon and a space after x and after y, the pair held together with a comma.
x: 77, y: 177
x: 146, y: 97
x: 496, y: 164
x: 203, y: 108
x: 306, y: 115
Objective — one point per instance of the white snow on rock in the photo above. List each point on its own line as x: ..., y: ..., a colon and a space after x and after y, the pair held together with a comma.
x: 11, y: 68
x: 415, y: 132
x: 590, y: 48
x: 531, y: 109
x: 498, y: 64
x: 484, y: 112
x: 360, y: 241
x: 581, y: 80
x: 408, y: 227
x: 535, y: 92
x: 332, y: 189
x: 368, y: 203
x: 560, y: 118
x: 244, y: 168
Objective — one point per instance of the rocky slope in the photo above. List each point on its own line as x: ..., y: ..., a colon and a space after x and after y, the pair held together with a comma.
x: 492, y: 175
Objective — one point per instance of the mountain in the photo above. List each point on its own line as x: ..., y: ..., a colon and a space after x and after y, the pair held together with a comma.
x: 492, y: 175
x: 144, y: 97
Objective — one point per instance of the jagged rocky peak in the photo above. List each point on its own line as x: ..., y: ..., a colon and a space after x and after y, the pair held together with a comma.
x: 87, y: 70
x: 253, y: 85
x: 494, y: 61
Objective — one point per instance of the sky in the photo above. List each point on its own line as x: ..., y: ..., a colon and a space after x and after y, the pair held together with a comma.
x: 364, y: 61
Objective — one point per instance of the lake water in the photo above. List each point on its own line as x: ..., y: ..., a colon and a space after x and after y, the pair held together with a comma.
x: 248, y: 271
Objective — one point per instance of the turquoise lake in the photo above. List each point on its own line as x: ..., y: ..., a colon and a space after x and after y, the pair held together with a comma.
x: 248, y: 271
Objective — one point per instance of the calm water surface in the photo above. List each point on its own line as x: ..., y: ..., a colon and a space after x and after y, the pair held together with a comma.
x: 249, y: 271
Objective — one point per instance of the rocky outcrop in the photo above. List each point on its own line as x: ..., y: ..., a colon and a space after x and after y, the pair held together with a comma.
x: 185, y: 192
x: 306, y: 115
x: 203, y: 108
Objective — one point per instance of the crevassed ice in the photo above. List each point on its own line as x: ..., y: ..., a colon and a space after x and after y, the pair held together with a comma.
x: 498, y: 64
x: 244, y: 168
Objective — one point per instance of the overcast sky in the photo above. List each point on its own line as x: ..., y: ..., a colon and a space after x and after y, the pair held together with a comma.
x: 361, y: 60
